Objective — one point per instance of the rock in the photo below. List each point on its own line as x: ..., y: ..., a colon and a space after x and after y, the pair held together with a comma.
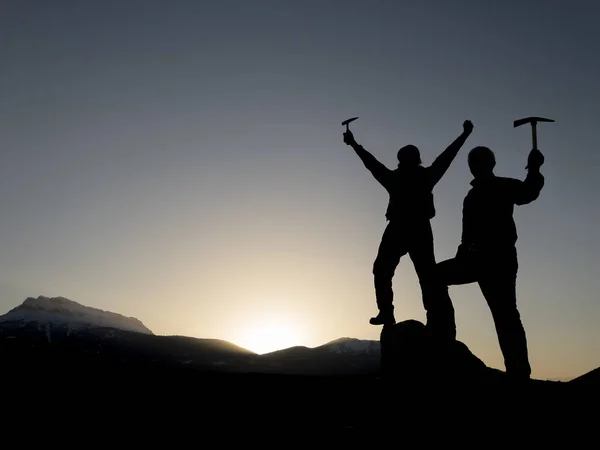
x: 591, y: 378
x: 410, y: 354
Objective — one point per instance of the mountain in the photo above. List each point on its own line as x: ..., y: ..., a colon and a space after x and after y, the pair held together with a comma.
x: 50, y: 329
x: 344, y: 356
x: 52, y: 335
x: 59, y: 328
x: 348, y: 345
x: 59, y: 312
x: 93, y: 374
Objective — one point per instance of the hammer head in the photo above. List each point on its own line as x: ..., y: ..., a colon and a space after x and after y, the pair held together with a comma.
x: 531, y: 120
x: 346, y: 122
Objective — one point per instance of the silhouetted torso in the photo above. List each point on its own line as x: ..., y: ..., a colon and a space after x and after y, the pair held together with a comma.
x: 411, y: 187
x: 411, y: 195
x: 488, y: 209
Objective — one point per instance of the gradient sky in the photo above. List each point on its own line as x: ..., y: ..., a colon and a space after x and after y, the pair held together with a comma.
x: 182, y: 162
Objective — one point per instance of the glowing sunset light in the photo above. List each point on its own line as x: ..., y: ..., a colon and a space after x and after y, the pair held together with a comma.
x: 268, y: 337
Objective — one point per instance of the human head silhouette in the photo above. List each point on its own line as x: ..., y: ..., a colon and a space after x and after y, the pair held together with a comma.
x: 409, y: 156
x: 481, y: 162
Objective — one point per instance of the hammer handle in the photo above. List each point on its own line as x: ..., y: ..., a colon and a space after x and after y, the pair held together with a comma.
x: 534, y: 135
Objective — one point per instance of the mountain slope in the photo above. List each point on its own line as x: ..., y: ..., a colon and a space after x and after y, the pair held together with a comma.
x: 40, y: 351
x: 343, y: 356
x: 44, y: 335
x: 591, y: 377
x: 62, y: 312
x: 352, y: 346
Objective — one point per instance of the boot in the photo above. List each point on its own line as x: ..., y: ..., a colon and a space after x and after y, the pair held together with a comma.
x: 383, y: 318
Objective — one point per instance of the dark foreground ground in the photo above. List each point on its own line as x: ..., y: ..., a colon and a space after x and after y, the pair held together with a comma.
x: 147, y: 403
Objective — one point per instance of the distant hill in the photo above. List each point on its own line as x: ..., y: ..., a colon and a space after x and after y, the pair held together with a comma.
x: 50, y: 334
x: 64, y: 313
x: 44, y: 328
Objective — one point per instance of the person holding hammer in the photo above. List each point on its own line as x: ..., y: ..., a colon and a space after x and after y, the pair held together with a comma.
x: 487, y: 253
x: 409, y: 212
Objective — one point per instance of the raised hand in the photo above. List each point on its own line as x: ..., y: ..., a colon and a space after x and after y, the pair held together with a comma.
x: 535, y: 160
x: 349, y: 138
x: 468, y: 126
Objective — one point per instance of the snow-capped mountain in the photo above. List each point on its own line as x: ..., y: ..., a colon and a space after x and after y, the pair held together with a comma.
x: 348, y: 345
x: 62, y: 312
x: 61, y: 328
x: 342, y: 356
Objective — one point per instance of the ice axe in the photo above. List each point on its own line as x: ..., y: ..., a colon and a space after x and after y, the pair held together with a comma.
x: 347, y: 122
x: 533, y: 121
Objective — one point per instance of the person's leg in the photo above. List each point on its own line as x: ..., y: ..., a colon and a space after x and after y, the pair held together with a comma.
x: 454, y: 271
x: 498, y: 285
x: 436, y: 301
x: 462, y: 269
x: 391, y: 249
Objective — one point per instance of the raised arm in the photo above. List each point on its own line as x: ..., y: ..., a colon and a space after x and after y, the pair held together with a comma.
x: 529, y: 189
x: 379, y: 171
x: 441, y: 164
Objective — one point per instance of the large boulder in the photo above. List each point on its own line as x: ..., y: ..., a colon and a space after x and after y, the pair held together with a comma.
x: 409, y: 353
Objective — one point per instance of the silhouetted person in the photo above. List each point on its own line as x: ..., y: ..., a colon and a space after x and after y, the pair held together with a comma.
x: 487, y: 253
x: 410, y: 209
